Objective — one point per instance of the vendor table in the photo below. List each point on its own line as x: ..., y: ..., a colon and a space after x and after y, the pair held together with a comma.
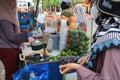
x: 53, y: 66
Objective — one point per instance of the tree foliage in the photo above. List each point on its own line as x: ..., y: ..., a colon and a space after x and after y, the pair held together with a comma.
x: 53, y: 3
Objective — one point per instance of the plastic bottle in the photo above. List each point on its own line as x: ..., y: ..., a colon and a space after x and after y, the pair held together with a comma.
x: 50, y: 45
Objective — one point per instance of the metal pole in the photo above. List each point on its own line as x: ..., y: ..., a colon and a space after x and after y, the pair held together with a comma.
x: 91, y: 30
x: 36, y: 14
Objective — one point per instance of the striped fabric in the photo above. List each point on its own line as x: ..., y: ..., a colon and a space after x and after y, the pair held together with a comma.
x: 108, y: 35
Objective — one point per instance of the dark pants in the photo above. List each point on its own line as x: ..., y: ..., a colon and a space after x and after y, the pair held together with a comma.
x: 10, y: 59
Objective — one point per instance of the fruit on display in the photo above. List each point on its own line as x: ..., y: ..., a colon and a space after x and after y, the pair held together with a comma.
x: 72, y: 18
x: 64, y: 17
x: 70, y: 22
x: 72, y: 26
x: 79, y: 44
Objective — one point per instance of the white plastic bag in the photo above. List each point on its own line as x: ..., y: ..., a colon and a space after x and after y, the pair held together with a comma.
x: 63, y: 34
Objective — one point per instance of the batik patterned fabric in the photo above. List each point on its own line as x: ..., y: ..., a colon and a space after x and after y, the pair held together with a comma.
x: 106, y: 37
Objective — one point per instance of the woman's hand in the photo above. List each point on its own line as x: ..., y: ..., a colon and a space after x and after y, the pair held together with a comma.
x: 82, y: 60
x: 29, y: 30
x: 68, y: 67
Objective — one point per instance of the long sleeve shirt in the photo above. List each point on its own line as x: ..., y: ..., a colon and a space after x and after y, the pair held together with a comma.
x: 8, y: 37
x: 107, y: 67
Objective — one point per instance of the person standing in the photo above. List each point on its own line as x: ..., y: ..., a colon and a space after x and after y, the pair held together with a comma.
x: 81, y: 18
x: 10, y: 37
x: 65, y: 6
x: 104, y: 61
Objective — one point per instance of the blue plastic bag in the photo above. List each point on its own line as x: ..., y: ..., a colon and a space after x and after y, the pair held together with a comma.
x: 32, y: 72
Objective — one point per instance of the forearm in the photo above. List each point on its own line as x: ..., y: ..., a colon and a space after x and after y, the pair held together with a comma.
x: 86, y: 74
x: 11, y: 35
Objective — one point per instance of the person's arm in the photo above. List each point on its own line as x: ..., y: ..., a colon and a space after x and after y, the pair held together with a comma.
x: 9, y: 32
x: 86, y: 74
x: 73, y: 66
x: 68, y: 67
x: 84, y: 59
x: 110, y: 69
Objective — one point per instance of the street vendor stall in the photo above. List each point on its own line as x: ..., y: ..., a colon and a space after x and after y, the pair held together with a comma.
x: 34, y: 57
x: 38, y: 62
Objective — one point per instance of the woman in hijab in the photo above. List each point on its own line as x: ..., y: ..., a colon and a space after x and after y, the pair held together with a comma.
x: 10, y: 37
x: 81, y: 18
x: 65, y: 5
x: 104, y: 61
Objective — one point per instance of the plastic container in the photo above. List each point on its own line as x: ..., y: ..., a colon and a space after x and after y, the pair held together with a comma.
x: 55, y: 39
x: 50, y: 45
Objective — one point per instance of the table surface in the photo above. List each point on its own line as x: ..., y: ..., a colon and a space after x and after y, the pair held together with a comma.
x: 28, y: 50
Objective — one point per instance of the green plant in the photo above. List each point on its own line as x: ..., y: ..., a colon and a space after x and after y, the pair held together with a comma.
x: 79, y: 45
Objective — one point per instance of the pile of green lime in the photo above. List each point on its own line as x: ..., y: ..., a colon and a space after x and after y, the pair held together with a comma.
x: 79, y: 44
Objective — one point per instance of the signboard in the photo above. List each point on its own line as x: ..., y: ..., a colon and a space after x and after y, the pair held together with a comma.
x: 22, y: 4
